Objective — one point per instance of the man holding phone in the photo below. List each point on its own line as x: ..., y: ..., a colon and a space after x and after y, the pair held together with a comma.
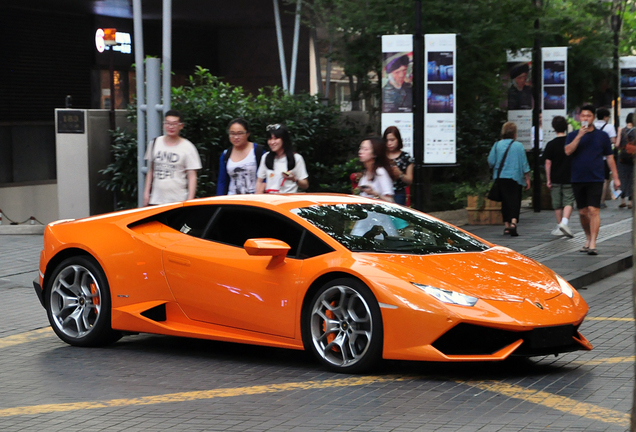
x: 587, y: 147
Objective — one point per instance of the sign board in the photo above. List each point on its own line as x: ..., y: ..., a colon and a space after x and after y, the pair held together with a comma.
x: 71, y: 121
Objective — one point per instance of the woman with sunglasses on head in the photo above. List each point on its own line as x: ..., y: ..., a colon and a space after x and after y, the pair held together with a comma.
x: 376, y: 181
x: 239, y: 163
x: 281, y: 170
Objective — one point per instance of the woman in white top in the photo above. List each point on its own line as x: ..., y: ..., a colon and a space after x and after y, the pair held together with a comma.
x: 281, y: 170
x: 239, y: 163
x: 376, y: 181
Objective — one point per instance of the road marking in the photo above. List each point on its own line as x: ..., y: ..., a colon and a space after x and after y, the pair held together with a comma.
x: 610, y: 360
x: 26, y: 337
x: 546, y: 399
x: 609, y: 319
x: 553, y: 401
x: 199, y: 395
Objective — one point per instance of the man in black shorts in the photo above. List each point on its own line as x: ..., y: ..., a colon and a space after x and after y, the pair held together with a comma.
x: 587, y: 146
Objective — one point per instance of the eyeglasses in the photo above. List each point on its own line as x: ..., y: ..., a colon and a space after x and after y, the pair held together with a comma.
x: 272, y: 127
x: 236, y: 134
x: 171, y: 123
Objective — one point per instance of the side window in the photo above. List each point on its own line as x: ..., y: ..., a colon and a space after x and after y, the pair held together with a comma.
x: 311, y: 246
x: 191, y: 220
x: 236, y: 224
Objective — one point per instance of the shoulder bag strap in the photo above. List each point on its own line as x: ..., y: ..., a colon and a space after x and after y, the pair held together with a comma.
x: 152, y: 156
x: 503, y: 160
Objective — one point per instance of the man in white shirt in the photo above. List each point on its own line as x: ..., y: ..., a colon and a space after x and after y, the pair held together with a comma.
x: 173, y: 165
x: 602, y: 123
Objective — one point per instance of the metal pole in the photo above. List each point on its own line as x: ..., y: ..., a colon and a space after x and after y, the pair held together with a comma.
x: 141, y: 100
x: 536, y: 94
x: 153, y: 73
x: 281, y: 48
x: 616, y: 26
x: 111, y: 78
x: 292, y: 84
x: 167, y: 54
x: 418, y: 108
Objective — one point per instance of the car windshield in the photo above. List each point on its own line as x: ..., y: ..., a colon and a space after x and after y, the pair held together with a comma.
x: 388, y: 229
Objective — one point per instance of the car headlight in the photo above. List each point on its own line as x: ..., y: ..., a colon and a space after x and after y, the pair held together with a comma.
x: 566, y: 288
x: 447, y: 296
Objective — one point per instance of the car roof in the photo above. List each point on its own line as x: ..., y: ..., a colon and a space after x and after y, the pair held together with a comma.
x: 284, y: 201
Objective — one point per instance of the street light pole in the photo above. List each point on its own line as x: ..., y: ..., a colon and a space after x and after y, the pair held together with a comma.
x: 418, y: 109
x: 536, y: 95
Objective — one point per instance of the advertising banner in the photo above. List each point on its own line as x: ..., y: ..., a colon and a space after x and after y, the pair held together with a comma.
x: 554, y: 103
x: 628, y: 86
x: 397, y: 86
x: 519, y: 98
x: 440, y: 124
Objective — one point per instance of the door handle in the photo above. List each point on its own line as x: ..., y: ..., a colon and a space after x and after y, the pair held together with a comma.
x: 178, y: 260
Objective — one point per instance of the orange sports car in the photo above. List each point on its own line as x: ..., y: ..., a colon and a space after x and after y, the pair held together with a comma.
x: 350, y: 279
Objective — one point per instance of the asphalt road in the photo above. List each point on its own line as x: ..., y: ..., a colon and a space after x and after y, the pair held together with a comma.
x: 155, y: 383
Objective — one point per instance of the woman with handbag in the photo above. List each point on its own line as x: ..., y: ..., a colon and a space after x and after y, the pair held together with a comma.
x: 626, y: 148
x: 510, y: 173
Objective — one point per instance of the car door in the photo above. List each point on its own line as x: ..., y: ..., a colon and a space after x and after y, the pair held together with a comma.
x: 215, y: 281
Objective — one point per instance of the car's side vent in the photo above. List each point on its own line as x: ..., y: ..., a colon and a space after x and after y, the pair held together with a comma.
x: 157, y: 313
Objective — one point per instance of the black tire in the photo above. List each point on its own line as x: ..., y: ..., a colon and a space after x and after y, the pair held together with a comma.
x: 342, y: 326
x: 77, y: 303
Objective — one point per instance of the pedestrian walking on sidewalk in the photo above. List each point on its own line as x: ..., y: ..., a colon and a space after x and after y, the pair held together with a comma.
x: 281, y: 170
x: 508, y: 159
x: 602, y: 123
x: 558, y: 177
x: 239, y: 163
x: 626, y: 152
x: 173, y: 164
x: 588, y: 146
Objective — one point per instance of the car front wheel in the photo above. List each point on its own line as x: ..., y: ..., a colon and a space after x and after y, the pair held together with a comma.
x: 343, y: 326
x: 78, y: 303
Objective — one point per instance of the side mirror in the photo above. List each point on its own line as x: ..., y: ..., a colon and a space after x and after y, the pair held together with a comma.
x: 268, y: 247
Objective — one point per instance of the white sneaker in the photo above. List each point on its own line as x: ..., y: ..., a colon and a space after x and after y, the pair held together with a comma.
x: 566, y: 230
x: 556, y: 231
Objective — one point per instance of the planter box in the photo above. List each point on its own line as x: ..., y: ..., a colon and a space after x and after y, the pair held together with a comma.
x: 490, y: 214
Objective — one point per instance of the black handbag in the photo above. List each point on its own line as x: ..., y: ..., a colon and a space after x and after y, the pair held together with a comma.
x: 495, y: 193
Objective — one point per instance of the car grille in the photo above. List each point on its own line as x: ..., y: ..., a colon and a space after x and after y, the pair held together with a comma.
x: 469, y: 339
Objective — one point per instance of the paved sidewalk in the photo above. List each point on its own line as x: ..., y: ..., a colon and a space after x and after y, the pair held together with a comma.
x: 562, y: 254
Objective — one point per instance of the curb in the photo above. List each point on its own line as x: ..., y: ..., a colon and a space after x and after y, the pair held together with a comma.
x: 602, y: 270
x: 21, y: 229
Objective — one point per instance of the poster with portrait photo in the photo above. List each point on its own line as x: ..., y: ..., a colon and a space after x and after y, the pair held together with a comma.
x: 439, y: 98
x: 397, y: 82
x: 553, y: 72
x: 520, y: 89
x: 439, y: 66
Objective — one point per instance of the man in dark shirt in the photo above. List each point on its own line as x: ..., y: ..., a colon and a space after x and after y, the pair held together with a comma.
x: 519, y: 93
x: 397, y: 95
x: 557, y: 170
x: 587, y: 146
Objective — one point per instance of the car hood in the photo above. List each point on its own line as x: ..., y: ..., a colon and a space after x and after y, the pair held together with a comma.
x: 497, y: 274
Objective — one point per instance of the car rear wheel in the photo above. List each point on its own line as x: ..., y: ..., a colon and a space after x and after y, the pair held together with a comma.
x: 78, y: 303
x: 343, y: 326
